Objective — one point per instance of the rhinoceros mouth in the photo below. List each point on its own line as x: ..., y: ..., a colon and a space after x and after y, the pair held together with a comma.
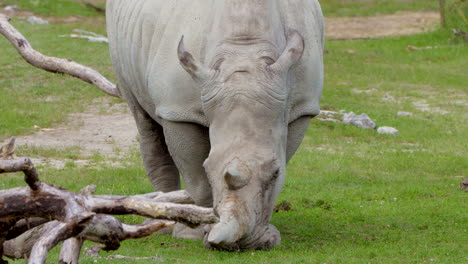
x: 263, y: 239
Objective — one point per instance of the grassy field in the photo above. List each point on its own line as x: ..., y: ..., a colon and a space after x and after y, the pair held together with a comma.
x: 33, y: 97
x: 356, y: 196
x: 60, y: 8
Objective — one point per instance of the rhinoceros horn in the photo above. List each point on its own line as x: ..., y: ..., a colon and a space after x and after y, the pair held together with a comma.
x: 291, y: 54
x: 196, y: 69
x: 234, y: 178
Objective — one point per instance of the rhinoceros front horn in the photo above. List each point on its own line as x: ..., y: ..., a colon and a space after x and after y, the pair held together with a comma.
x: 196, y: 69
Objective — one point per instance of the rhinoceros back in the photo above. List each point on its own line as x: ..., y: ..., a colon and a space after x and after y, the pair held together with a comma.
x: 144, y: 35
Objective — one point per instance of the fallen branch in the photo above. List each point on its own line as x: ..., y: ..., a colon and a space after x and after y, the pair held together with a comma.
x: 36, y: 218
x: 90, y: 36
x: 96, y: 8
x: 52, y: 64
x: 59, y: 232
x: 94, y: 252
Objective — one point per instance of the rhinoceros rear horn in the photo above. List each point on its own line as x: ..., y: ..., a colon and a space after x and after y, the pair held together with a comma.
x: 234, y: 178
x: 291, y: 54
x: 197, y: 70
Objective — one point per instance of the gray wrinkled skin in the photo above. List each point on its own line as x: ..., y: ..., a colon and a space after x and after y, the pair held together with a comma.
x: 226, y: 106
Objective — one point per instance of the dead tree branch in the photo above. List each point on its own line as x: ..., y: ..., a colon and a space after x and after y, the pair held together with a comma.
x: 7, y: 150
x: 34, y: 219
x: 52, y: 64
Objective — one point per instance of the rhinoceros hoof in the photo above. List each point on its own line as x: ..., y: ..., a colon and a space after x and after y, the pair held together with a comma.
x: 183, y: 231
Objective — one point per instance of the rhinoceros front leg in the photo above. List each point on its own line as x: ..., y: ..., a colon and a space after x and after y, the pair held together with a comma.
x: 189, y: 146
x: 159, y: 165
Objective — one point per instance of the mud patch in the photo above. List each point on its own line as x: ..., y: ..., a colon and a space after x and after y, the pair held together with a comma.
x: 283, y: 206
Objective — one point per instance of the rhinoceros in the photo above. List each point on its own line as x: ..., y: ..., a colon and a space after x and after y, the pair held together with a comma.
x: 222, y: 92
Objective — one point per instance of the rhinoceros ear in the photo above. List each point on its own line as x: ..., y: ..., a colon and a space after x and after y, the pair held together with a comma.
x: 197, y: 70
x: 291, y: 54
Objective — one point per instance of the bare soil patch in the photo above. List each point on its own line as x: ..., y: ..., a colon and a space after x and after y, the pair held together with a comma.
x: 108, y: 130
x: 401, y: 23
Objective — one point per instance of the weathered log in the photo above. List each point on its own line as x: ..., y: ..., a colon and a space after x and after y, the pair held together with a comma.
x: 26, y: 166
x: 52, y: 64
x: 188, y: 214
x: 24, y: 225
x: 20, y: 247
x: 61, y: 231
x: 70, y: 251
x: 55, y: 203
x: 104, y: 229
x: 34, y: 219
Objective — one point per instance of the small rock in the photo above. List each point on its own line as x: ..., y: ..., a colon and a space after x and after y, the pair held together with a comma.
x: 403, y: 113
x: 328, y: 119
x: 388, y: 98
x: 37, y: 20
x: 387, y: 130
x: 328, y: 113
x: 369, y: 91
x: 362, y: 120
x: 10, y: 8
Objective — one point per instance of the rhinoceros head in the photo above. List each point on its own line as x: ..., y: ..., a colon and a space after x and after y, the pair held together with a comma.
x: 245, y: 98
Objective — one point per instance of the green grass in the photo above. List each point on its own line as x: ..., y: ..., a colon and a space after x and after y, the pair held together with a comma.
x: 31, y: 96
x: 338, y: 8
x: 356, y: 196
x: 58, y: 8
x: 65, y: 153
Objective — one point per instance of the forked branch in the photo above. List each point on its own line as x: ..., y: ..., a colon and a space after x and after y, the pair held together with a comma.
x: 36, y: 218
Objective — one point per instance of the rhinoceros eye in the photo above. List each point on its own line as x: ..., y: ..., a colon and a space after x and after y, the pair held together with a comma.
x: 275, y: 174
x: 267, y: 60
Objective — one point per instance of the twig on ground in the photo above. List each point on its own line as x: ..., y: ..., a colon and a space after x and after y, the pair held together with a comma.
x: 90, y: 36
